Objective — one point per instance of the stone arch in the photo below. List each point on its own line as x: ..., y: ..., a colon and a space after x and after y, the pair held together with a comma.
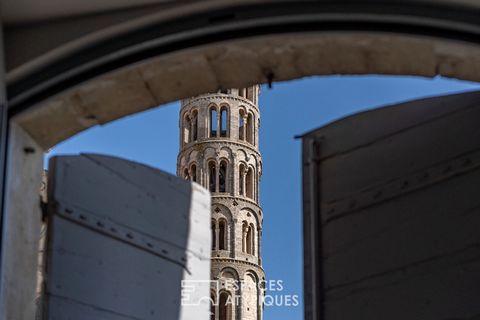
x: 297, y: 56
x: 224, y: 169
x: 253, y: 214
x: 242, y: 172
x: 242, y: 155
x: 223, y: 158
x: 212, y: 170
x: 222, y: 234
x: 218, y: 171
x: 186, y: 127
x: 222, y: 209
x: 227, y: 150
x: 250, y: 296
x: 210, y: 153
x: 229, y: 279
x: 212, y: 105
x: 253, y: 159
x: 224, y: 119
x: 250, y: 182
x: 229, y: 273
x: 213, y: 303
x: 194, y: 123
x: 250, y: 222
x: 252, y: 178
x: 243, y: 108
x: 242, y: 125
x: 252, y: 273
x: 223, y: 212
x: 225, y: 305
x: 212, y: 120
x: 249, y: 237
x: 193, y: 170
x: 213, y: 295
x: 193, y: 155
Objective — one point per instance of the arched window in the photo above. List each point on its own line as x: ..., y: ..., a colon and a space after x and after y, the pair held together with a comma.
x: 212, y: 306
x: 186, y: 129
x: 244, y: 236
x: 194, y: 126
x: 250, y: 183
x: 186, y: 176
x: 222, y: 235
x: 214, y: 235
x: 213, y: 122
x: 241, y: 125
x: 250, y: 128
x: 212, y: 177
x: 222, y: 177
x: 225, y: 307
x: 249, y: 240
x: 193, y: 172
x: 223, y: 122
x: 241, y: 182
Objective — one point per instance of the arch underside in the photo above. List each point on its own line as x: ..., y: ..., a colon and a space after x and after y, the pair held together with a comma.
x: 241, y: 63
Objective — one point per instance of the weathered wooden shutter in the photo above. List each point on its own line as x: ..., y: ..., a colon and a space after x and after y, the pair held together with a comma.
x: 121, y: 239
x: 392, y: 213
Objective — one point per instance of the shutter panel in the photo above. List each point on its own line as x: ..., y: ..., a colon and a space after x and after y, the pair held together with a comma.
x: 392, y: 212
x: 121, y: 239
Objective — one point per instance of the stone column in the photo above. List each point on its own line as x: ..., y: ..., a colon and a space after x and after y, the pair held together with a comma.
x: 217, y: 176
x: 218, y: 122
x: 244, y: 182
x: 217, y: 236
x: 259, y: 250
x: 234, y: 174
x: 244, y: 129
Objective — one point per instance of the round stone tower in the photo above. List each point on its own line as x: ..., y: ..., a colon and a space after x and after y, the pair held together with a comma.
x: 219, y: 150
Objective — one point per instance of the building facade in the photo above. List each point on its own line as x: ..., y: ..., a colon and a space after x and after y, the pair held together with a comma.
x: 219, y: 149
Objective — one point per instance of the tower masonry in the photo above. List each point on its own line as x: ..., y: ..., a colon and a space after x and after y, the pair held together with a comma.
x: 219, y: 149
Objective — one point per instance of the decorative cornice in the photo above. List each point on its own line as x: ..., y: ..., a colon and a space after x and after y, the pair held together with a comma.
x: 223, y: 141
x: 230, y: 260
x: 210, y: 96
x: 234, y: 198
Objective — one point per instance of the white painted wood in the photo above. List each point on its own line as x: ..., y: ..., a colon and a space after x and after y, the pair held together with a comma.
x: 397, y: 193
x: 365, y: 127
x: 394, y: 156
x: 406, y: 231
x: 160, y: 237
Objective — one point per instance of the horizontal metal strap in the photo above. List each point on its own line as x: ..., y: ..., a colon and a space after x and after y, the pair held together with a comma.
x: 122, y: 233
x: 398, y: 187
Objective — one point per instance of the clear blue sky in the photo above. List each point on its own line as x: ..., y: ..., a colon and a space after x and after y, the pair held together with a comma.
x: 289, y: 109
